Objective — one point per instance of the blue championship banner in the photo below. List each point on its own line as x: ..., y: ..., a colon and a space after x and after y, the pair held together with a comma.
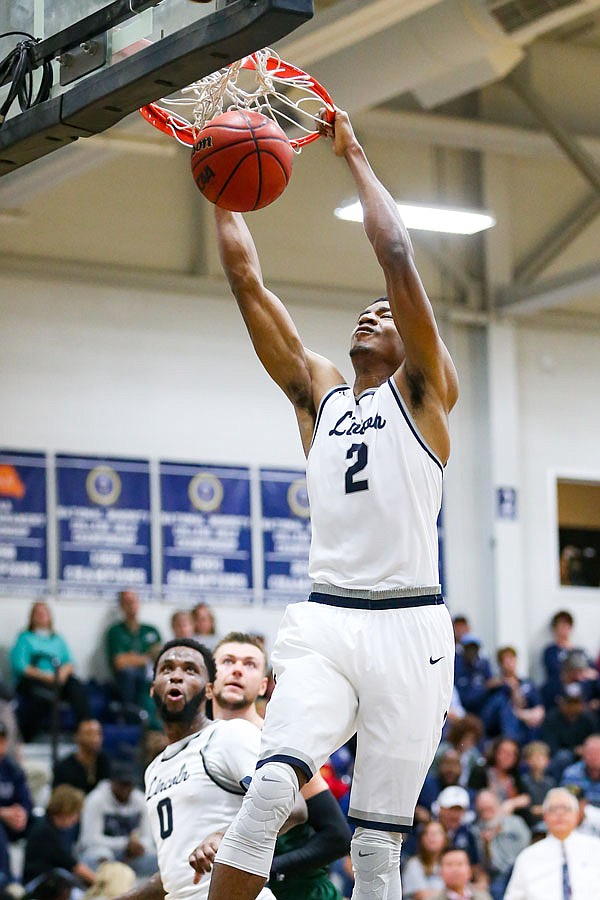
x: 23, y: 522
x: 103, y: 513
x: 206, y: 533
x: 286, y: 535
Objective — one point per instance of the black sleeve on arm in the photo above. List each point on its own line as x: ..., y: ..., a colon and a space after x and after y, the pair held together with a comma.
x: 330, y: 841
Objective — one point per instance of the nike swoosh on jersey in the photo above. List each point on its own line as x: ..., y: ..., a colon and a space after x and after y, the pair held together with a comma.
x: 360, y: 853
x: 274, y: 780
x: 433, y: 661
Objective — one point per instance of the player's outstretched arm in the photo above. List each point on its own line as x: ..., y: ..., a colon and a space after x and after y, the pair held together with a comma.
x: 152, y: 889
x: 426, y: 356
x: 303, y: 376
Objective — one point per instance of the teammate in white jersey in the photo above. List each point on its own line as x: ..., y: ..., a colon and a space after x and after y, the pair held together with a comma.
x: 371, y: 651
x: 193, y: 787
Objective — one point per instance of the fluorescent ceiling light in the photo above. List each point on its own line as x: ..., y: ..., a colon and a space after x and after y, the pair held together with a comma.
x: 429, y: 218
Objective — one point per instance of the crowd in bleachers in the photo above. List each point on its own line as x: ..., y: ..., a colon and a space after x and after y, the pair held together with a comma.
x: 507, y: 743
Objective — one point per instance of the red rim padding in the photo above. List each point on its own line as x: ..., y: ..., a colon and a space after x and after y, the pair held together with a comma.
x: 169, y: 122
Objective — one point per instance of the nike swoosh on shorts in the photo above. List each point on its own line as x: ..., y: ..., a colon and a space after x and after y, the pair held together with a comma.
x: 433, y: 661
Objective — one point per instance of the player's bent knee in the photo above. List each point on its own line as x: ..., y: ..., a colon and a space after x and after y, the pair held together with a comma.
x: 250, y: 840
x: 376, y: 862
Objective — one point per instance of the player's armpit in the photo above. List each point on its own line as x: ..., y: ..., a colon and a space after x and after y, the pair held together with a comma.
x: 202, y: 858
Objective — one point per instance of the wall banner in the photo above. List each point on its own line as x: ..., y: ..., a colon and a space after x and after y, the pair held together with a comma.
x: 103, y: 526
x: 206, y: 533
x: 23, y: 523
x: 286, y: 535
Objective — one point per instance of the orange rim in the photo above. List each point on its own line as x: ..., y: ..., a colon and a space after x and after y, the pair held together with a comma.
x: 178, y: 127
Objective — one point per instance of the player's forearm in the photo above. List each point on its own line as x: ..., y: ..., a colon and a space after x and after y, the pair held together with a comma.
x: 237, y: 251
x: 149, y: 890
x: 382, y: 221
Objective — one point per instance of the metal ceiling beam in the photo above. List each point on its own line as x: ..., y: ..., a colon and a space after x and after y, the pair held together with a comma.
x: 561, y: 236
x: 579, y: 284
x: 466, y: 134
x: 580, y: 159
x: 557, y: 239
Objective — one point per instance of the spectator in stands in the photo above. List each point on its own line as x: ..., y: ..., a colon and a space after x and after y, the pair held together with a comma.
x: 500, y: 839
x: 514, y: 708
x: 88, y: 764
x: 535, y: 779
x: 500, y: 775
x: 472, y: 675
x: 555, y: 654
x: 421, y: 874
x: 15, y: 805
x: 588, y: 821
x: 565, y: 864
x: 456, y: 873
x: 43, y: 672
x: 465, y: 737
x: 205, y: 626
x: 444, y: 773
x: 114, y: 823
x: 451, y: 807
x: 9, y: 720
x: 461, y: 626
x: 577, y: 668
x: 586, y: 773
x: 182, y: 624
x: 566, y: 728
x: 132, y: 646
x: 48, y: 846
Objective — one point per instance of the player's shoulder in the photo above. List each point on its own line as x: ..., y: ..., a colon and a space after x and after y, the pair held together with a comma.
x: 192, y: 743
x: 229, y: 731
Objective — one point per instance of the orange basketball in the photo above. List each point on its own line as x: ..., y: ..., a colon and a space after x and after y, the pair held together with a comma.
x: 242, y: 160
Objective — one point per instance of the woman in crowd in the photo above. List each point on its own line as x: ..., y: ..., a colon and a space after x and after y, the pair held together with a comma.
x: 43, y: 671
x: 421, y: 875
x: 500, y: 774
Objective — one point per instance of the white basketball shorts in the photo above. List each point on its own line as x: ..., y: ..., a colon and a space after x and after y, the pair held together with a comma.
x: 385, y: 674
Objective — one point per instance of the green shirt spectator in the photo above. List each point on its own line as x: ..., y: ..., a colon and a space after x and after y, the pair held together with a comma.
x: 131, y: 647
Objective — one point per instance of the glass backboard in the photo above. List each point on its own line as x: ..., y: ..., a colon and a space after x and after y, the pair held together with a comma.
x: 109, y: 57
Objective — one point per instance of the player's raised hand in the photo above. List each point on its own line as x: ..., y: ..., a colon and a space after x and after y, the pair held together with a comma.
x: 339, y: 129
x: 202, y: 858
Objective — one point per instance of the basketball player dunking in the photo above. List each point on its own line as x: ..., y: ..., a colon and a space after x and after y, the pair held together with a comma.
x: 371, y: 651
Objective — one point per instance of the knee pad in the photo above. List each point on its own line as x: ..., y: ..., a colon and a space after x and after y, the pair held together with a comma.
x: 376, y: 862
x: 249, y: 842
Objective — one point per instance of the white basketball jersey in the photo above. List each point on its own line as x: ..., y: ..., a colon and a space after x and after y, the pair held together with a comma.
x: 375, y: 490
x: 192, y: 790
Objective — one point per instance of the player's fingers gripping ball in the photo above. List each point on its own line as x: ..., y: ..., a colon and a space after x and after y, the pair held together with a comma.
x: 242, y: 160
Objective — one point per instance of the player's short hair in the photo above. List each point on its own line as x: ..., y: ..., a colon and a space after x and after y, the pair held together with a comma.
x: 193, y: 645
x: 241, y: 637
x: 65, y: 800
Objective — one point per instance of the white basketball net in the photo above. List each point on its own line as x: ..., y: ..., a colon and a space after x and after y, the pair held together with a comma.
x: 298, y: 105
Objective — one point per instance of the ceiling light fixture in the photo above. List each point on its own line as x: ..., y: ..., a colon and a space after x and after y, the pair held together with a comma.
x: 429, y: 218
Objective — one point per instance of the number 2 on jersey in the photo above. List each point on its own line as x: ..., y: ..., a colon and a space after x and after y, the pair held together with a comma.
x: 165, y: 817
x: 361, y: 451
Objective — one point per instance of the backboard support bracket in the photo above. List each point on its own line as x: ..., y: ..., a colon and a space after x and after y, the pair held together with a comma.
x: 87, y: 57
x: 97, y: 103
